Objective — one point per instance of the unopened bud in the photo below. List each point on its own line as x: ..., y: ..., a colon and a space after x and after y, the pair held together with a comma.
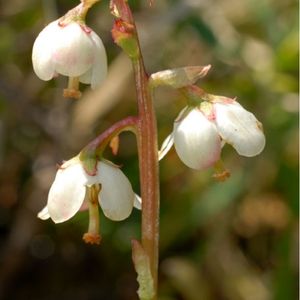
x: 180, y: 77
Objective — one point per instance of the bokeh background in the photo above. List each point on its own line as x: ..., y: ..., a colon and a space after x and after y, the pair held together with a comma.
x: 236, y: 240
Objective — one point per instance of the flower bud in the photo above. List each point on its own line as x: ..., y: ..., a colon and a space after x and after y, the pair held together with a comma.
x: 180, y: 77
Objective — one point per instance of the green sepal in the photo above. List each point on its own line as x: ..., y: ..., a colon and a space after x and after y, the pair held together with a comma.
x: 89, y: 161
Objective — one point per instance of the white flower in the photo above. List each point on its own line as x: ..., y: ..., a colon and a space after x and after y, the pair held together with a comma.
x: 67, y: 193
x: 200, y: 133
x: 71, y: 49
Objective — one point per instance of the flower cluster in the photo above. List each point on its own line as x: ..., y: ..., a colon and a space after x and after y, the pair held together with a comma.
x: 68, y: 47
x: 201, y: 131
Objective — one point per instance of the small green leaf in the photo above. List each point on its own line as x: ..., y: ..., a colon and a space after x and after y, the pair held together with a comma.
x: 142, y: 267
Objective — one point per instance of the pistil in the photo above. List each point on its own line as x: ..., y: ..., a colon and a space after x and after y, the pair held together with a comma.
x: 93, y: 236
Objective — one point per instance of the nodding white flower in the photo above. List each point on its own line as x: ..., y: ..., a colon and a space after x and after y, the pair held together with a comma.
x: 71, y: 49
x: 67, y: 193
x: 200, y: 132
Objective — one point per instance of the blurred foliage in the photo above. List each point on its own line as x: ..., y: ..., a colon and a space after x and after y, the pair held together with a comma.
x: 236, y: 240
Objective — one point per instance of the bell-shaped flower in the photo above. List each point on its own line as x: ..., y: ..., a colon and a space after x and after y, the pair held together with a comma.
x: 200, y: 132
x: 68, y: 192
x: 71, y: 49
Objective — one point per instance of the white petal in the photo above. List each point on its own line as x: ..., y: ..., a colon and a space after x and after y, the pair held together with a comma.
x: 67, y: 192
x: 98, y: 72
x: 73, y: 53
x: 166, y: 146
x: 137, y: 203
x: 42, y: 52
x: 239, y: 128
x: 196, y: 140
x: 86, y: 77
x: 99, y: 68
x: 116, y: 196
x: 44, y: 214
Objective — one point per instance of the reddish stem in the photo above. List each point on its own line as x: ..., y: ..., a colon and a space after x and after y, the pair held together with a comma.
x: 148, y: 162
x: 146, y: 135
x: 91, y: 153
x: 127, y: 124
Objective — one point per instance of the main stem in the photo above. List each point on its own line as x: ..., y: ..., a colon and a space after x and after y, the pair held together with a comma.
x: 148, y: 163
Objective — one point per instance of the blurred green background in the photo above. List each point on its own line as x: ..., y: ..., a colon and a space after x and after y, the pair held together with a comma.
x: 236, y: 240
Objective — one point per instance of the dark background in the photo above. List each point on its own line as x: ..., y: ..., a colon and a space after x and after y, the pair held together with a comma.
x: 236, y: 240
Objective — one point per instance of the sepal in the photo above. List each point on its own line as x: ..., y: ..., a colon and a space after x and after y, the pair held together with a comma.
x: 89, y: 160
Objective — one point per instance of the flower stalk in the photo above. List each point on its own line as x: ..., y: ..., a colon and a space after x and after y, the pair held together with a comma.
x: 125, y: 35
x: 148, y: 162
x: 91, y: 153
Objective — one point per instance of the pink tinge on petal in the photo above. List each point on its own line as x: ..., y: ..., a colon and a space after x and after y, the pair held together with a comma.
x: 86, y: 29
x: 211, y: 116
x: 84, y: 206
x: 73, y: 51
